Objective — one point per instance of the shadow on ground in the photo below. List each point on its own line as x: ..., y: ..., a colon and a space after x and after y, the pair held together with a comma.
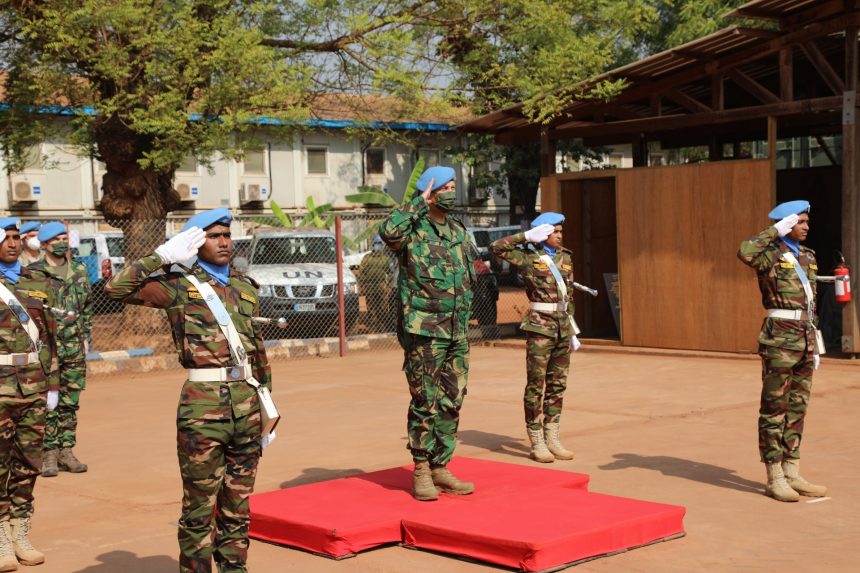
x: 687, y: 469
x: 313, y: 475
x: 128, y: 562
x: 494, y: 442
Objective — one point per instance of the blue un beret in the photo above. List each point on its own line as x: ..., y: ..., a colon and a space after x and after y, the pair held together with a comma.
x: 209, y: 218
x: 51, y: 230
x: 10, y: 223
x: 440, y: 175
x: 549, y: 218
x: 30, y: 226
x: 783, y: 210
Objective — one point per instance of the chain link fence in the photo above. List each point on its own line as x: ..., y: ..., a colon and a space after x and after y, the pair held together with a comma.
x: 297, y: 269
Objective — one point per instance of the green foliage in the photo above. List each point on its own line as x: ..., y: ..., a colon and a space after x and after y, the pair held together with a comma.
x: 371, y: 196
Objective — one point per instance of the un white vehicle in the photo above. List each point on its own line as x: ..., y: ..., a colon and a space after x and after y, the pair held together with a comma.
x: 297, y: 273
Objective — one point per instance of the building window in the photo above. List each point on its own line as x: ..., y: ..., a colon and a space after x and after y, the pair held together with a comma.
x: 317, y: 160
x: 431, y: 157
x: 254, y: 162
x: 374, y: 161
x: 188, y: 165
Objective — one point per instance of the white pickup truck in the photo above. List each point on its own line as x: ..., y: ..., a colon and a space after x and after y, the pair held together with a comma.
x: 297, y: 273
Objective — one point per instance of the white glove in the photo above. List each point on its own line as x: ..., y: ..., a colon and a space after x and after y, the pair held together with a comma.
x: 53, y: 399
x: 816, y: 361
x: 575, y: 343
x: 2, y: 235
x: 540, y: 233
x: 267, y: 439
x: 785, y: 225
x: 182, y: 247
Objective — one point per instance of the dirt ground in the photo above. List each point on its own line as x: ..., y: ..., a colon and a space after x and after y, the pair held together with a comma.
x: 678, y: 430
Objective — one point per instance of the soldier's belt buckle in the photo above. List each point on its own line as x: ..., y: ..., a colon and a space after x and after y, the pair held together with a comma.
x: 19, y: 359
x: 235, y: 373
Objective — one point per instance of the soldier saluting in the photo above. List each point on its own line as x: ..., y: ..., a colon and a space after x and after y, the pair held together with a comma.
x: 219, y: 441
x: 547, y: 271
x: 787, y: 345
x: 435, y: 293
x: 28, y: 386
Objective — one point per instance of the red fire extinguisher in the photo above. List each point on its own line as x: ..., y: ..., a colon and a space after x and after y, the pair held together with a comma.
x: 843, y: 281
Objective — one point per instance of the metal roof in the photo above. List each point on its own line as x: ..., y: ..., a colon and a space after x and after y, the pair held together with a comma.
x: 653, y: 68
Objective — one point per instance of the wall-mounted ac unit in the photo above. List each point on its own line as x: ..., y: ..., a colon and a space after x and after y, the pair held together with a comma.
x: 25, y: 188
x: 252, y: 191
x: 187, y: 187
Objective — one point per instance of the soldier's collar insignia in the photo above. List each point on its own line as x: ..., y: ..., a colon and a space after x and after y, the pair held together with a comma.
x: 194, y: 294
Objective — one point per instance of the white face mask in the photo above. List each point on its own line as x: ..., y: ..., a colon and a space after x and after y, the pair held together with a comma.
x: 33, y: 243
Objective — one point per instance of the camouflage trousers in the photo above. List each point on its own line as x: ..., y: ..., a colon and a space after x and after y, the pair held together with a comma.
x: 22, y: 430
x: 218, y: 463
x: 62, y: 422
x: 786, y: 386
x: 437, y: 370
x: 547, y: 365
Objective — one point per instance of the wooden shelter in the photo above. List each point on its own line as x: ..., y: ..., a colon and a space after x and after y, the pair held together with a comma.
x: 671, y: 232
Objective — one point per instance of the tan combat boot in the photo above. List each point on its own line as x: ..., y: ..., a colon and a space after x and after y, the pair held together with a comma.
x: 448, y: 482
x: 422, y: 483
x: 539, y: 451
x: 777, y: 487
x: 69, y: 463
x: 49, y: 463
x: 553, y: 444
x: 8, y: 561
x: 24, y: 550
x: 791, y: 469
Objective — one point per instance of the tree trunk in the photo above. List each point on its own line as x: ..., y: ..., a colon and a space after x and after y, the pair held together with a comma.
x: 136, y: 199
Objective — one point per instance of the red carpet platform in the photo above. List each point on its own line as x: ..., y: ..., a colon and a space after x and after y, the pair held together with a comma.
x: 524, y: 517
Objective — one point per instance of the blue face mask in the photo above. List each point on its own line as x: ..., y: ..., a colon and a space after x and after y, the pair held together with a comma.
x: 221, y: 273
x: 11, y: 271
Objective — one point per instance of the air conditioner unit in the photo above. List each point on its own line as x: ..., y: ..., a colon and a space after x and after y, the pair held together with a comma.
x: 250, y: 192
x: 187, y: 187
x: 25, y: 188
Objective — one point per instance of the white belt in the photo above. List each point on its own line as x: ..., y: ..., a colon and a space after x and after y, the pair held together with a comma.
x: 229, y: 374
x: 549, y: 306
x: 19, y: 359
x: 787, y: 314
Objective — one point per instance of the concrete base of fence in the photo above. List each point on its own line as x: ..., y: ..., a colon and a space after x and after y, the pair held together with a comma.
x: 145, y: 359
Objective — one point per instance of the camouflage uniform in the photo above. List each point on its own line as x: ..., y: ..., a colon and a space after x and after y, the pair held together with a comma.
x: 435, y: 292
x: 374, y: 275
x: 27, y: 260
x: 75, y: 294
x: 548, y: 333
x: 23, y: 393
x: 786, y: 346
x: 218, y: 423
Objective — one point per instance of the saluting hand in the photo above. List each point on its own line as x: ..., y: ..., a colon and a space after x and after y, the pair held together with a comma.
x: 429, y: 191
x: 182, y: 247
x: 786, y: 224
x: 540, y: 233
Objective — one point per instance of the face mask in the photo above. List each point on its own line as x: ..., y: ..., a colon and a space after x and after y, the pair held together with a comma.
x: 59, y: 249
x: 377, y: 248
x: 446, y: 201
x: 33, y: 243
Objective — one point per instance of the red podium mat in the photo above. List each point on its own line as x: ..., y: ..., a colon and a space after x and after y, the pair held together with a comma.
x: 530, y: 518
x: 546, y: 529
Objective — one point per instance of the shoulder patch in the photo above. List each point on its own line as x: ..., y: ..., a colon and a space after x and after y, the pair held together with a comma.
x: 785, y: 265
x: 194, y: 294
x: 813, y: 266
x: 249, y: 298
x: 38, y: 294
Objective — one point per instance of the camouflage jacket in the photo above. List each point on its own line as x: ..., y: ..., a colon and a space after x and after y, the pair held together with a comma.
x: 436, y: 272
x: 196, y: 334
x: 75, y: 294
x: 36, y: 295
x: 540, y: 283
x: 781, y: 288
x: 27, y: 260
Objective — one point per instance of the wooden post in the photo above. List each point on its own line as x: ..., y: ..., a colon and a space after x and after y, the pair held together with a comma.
x: 640, y: 150
x: 341, y: 307
x: 771, y: 155
x: 549, y: 190
x: 850, y: 195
